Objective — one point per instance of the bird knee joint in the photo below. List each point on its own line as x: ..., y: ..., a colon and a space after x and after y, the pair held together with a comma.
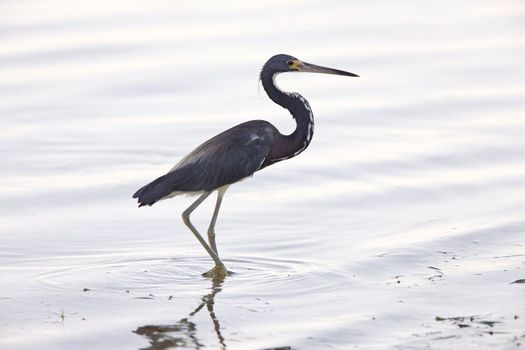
x: 186, y: 218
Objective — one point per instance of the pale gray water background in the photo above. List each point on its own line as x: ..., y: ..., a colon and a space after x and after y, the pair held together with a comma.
x: 409, y: 203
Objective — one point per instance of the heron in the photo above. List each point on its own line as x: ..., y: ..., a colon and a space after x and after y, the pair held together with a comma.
x: 238, y: 153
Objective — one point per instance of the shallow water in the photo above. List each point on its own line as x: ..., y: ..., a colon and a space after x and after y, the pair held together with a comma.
x: 401, y: 227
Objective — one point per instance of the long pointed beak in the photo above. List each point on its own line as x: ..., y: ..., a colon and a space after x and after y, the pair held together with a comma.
x: 313, y: 68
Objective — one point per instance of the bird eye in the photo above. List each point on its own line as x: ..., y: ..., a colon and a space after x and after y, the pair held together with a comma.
x: 290, y: 63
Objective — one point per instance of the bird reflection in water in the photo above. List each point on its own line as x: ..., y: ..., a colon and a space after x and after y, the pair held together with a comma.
x: 184, y: 333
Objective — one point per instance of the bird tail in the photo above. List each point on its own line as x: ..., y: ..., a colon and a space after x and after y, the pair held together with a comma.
x: 154, y: 191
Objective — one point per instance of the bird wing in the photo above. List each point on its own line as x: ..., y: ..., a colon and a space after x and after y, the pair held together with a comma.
x: 222, y: 160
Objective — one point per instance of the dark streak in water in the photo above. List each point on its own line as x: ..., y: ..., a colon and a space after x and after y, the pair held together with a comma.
x: 185, y: 333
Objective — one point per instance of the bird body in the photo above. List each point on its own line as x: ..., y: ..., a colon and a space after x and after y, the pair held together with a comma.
x: 239, y: 152
x: 224, y: 159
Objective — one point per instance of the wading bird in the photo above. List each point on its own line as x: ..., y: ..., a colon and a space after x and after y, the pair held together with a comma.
x: 238, y: 152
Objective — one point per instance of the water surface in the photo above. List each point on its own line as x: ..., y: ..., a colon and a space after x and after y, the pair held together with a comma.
x: 402, y: 226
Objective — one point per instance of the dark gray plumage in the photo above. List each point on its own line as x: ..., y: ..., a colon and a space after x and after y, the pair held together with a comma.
x: 238, y: 152
x: 222, y: 160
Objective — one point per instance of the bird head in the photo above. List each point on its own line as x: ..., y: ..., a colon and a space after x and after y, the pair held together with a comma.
x: 285, y: 63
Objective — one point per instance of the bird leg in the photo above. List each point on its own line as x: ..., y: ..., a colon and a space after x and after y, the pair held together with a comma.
x: 211, y: 229
x: 186, y: 218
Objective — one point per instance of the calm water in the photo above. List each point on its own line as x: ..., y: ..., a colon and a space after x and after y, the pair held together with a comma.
x: 401, y: 227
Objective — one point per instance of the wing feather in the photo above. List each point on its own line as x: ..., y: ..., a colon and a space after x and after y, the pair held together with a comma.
x: 222, y: 160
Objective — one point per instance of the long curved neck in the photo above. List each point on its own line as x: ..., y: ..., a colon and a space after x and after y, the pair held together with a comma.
x: 290, y: 145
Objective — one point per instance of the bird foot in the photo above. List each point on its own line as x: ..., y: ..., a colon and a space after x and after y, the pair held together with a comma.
x: 218, y: 272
